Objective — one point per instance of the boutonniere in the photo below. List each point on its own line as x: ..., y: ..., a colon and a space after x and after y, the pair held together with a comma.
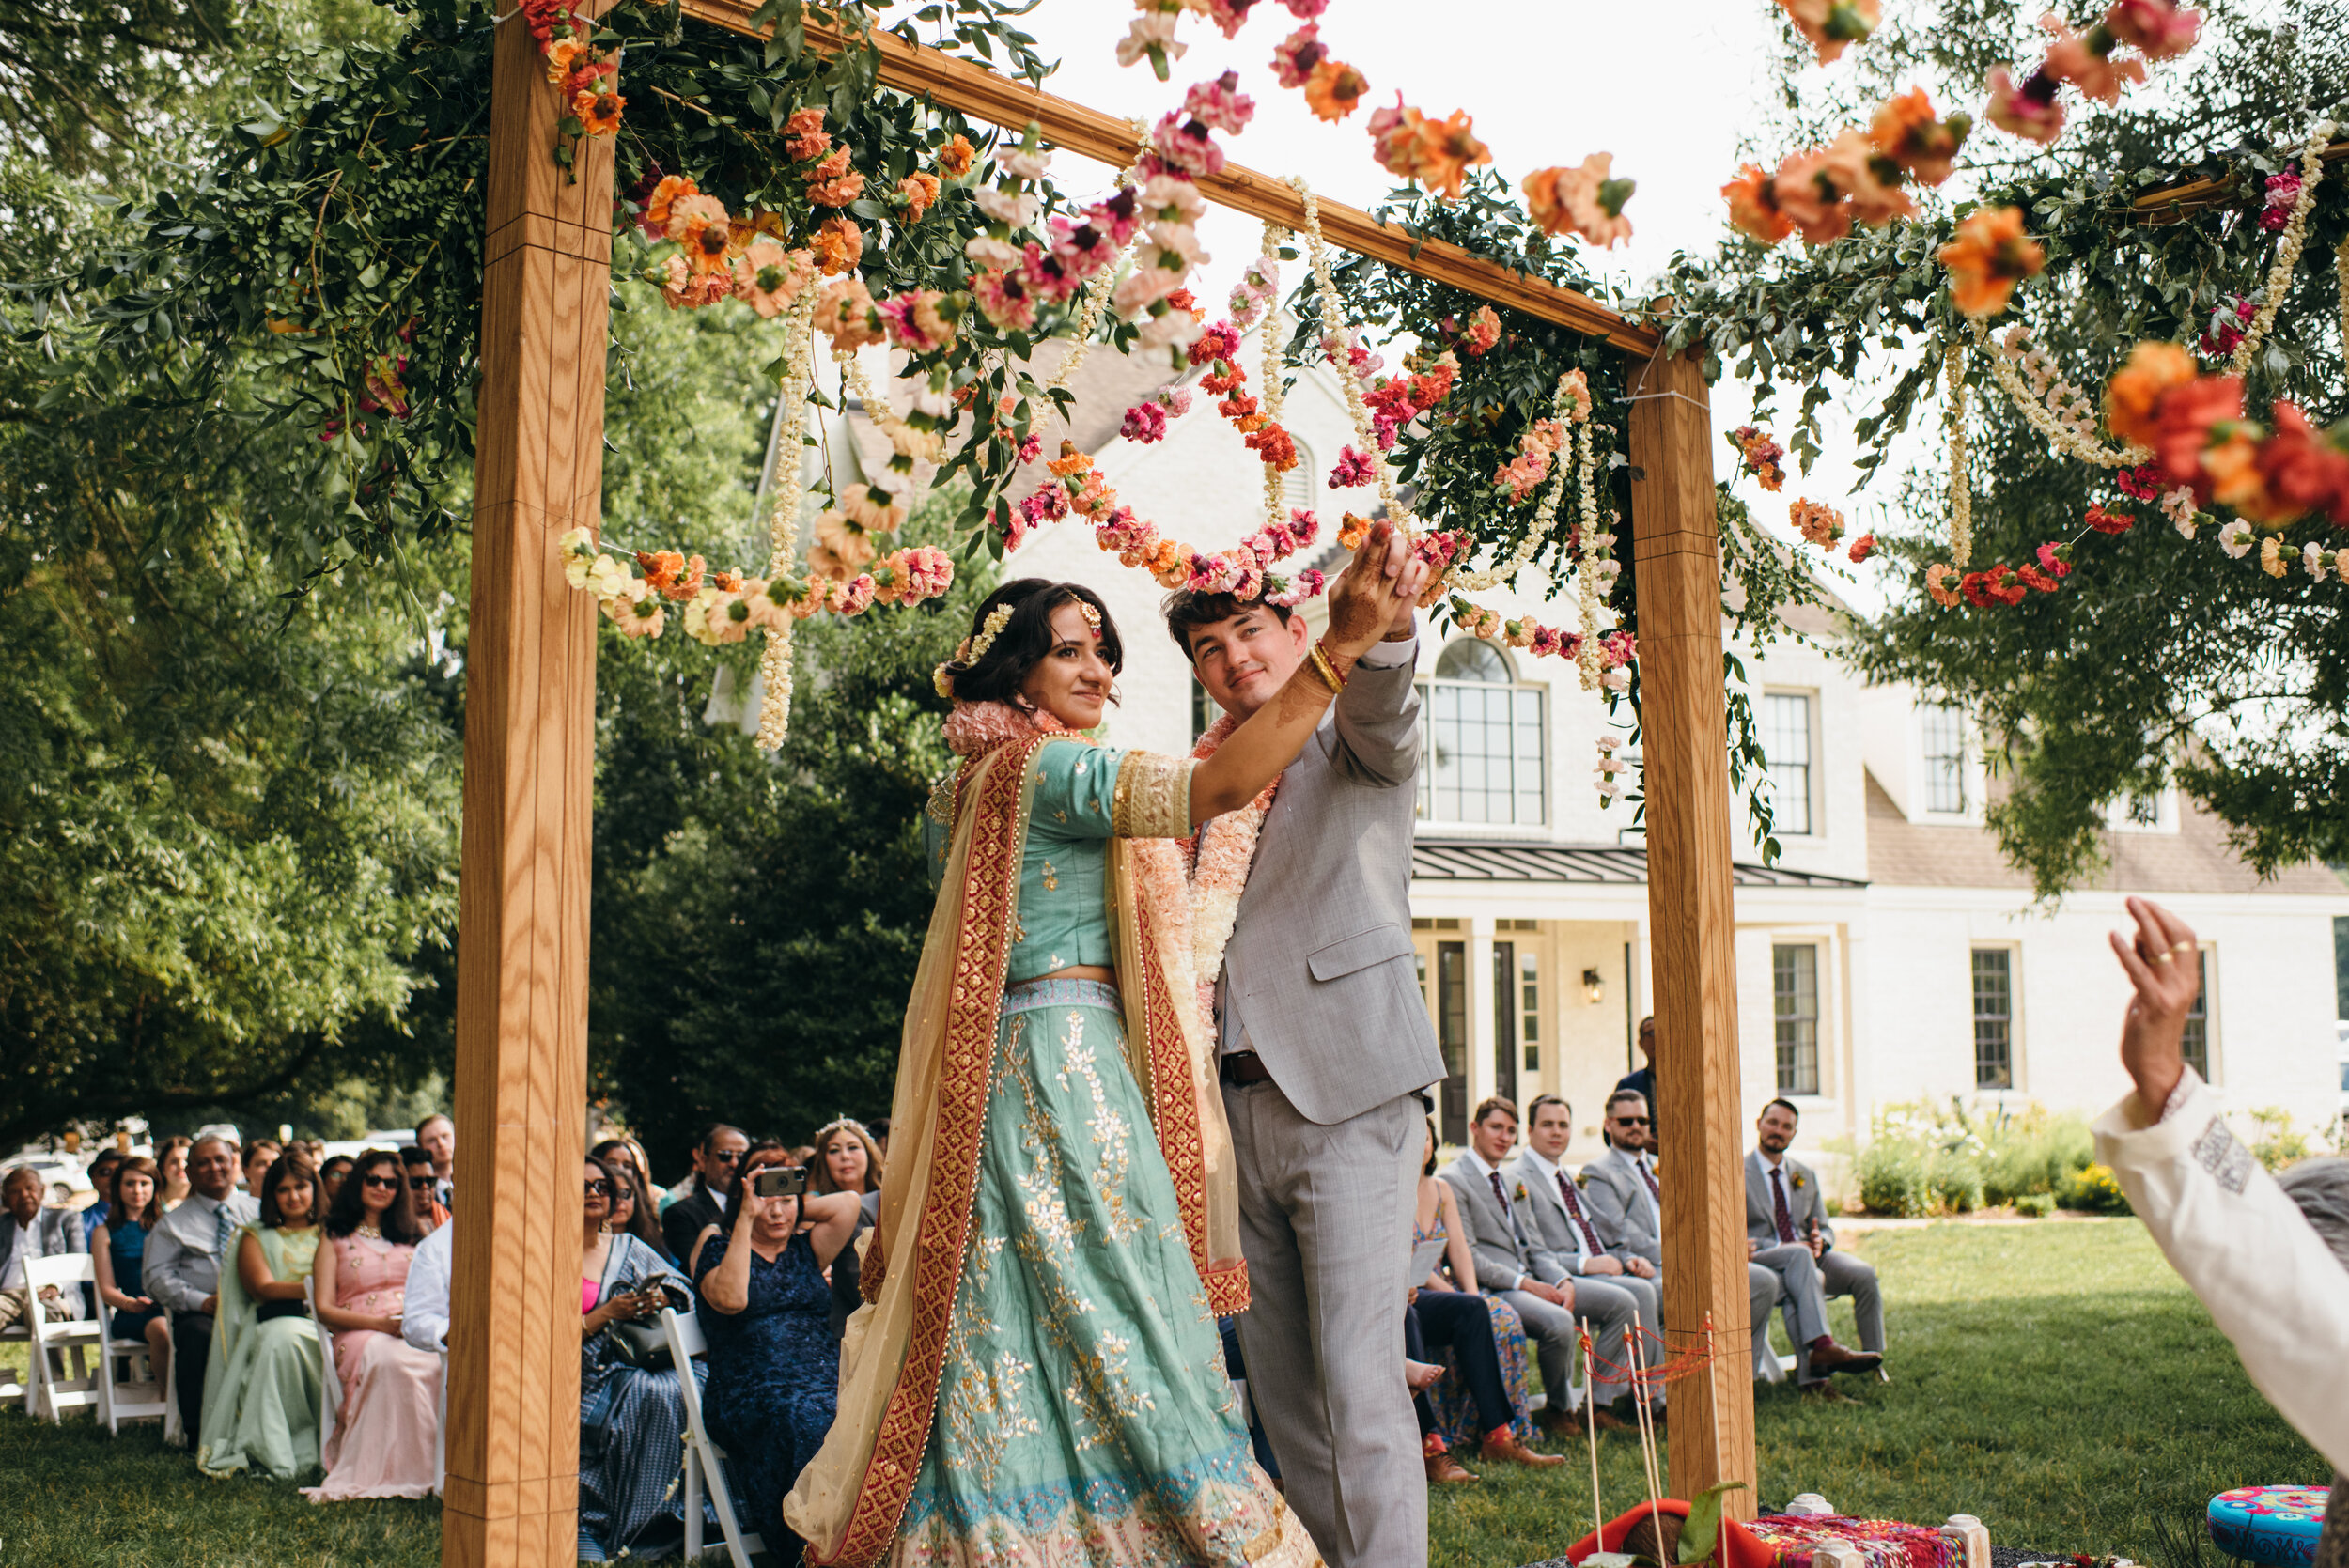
x: 1521, y: 1193
x: 1799, y: 1181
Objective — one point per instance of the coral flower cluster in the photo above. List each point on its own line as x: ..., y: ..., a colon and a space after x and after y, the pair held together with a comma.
x: 1759, y: 454
x: 1822, y: 524
x: 2269, y: 474
x: 1217, y: 349
x: 1987, y: 257
x: 1855, y: 178
x: 1831, y: 26
x: 1616, y: 649
x: 1436, y: 152
x: 587, y: 77
x: 726, y: 607
x: 1586, y: 200
x: 2100, y: 62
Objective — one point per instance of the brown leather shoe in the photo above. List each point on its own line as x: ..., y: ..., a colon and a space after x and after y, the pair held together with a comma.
x: 1502, y: 1448
x: 1606, y: 1420
x: 1443, y: 1467
x: 1831, y: 1356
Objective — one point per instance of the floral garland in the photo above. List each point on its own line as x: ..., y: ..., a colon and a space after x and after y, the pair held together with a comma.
x: 1570, y: 412
x: 782, y: 525
x: 1096, y: 293
x: 2051, y: 405
x: 1216, y: 863
x: 1960, y: 484
x: 587, y: 76
x: 1855, y: 178
x: 1759, y: 454
x: 1989, y: 255
x: 2091, y: 61
x: 1267, y: 274
x: 1077, y: 486
x: 2296, y: 231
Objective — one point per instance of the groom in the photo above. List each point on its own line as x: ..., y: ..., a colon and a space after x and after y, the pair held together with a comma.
x: 1323, y: 1040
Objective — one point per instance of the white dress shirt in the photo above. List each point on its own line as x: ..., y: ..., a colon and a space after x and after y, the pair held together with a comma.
x: 424, y: 1317
x: 1577, y: 1261
x: 1232, y: 1036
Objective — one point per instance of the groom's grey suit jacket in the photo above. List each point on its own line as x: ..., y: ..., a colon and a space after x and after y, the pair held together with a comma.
x: 1320, y: 958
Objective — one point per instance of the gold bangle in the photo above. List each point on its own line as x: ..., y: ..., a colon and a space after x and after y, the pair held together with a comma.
x: 1326, y: 671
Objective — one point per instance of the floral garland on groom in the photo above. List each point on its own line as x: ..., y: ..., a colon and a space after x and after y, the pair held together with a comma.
x: 1215, y: 861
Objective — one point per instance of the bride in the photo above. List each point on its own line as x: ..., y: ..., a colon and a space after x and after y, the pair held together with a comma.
x: 1037, y: 1377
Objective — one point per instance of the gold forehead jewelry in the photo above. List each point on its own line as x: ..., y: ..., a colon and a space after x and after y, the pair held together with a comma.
x: 1093, y: 617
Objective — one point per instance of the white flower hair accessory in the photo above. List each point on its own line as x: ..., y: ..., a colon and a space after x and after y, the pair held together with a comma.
x: 989, y: 629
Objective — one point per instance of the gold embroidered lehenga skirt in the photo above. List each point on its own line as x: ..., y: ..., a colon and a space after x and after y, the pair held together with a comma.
x: 1083, y: 1412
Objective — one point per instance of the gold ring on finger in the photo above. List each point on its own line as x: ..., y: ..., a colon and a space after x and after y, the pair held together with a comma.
x: 2183, y: 947
x: 2165, y: 957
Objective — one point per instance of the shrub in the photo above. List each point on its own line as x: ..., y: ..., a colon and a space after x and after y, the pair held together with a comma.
x: 2095, y: 1189
x: 1892, y: 1180
x: 2278, y: 1142
x: 1956, y: 1177
x: 1932, y: 1159
x: 2036, y: 1206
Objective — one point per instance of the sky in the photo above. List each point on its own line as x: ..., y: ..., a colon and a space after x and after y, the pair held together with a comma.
x: 1669, y: 90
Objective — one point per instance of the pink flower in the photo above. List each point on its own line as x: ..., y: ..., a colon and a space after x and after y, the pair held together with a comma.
x: 1482, y: 332
x: 1004, y: 301
x: 1294, y: 590
x: 1176, y: 400
x: 1305, y: 10
x: 1185, y: 144
x: 2155, y: 28
x: 2054, y: 560
x: 915, y: 323
x: 2074, y: 57
x: 2142, y: 482
x: 1048, y: 505
x: 1295, y: 59
x: 1353, y: 467
x: 1151, y: 36
x: 1220, y: 341
x: 1031, y: 448
x: 1145, y: 423
x: 1220, y: 104
x: 2030, y: 111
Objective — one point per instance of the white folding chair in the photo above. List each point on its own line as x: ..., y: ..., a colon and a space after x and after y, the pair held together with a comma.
x: 705, y: 1461
x: 54, y: 1391
x: 11, y: 1385
x: 439, y: 1431
x: 331, y: 1390
x: 129, y: 1397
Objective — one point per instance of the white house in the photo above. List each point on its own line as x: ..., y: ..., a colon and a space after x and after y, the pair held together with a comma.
x: 1889, y: 955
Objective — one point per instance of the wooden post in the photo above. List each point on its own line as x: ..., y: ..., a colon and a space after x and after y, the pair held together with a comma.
x: 1685, y: 741
x: 512, y: 1493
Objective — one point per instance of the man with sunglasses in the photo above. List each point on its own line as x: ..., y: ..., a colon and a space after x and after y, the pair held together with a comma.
x: 715, y: 1160
x: 423, y: 1189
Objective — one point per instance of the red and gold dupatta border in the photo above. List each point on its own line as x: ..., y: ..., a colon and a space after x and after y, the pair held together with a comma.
x: 991, y: 894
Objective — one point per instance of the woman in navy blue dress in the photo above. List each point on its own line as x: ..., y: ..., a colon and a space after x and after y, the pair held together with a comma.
x: 775, y: 1367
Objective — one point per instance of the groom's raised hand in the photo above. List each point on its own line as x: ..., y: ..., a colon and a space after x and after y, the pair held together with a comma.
x: 1379, y: 591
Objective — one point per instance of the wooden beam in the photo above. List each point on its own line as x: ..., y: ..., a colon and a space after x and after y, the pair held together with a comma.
x: 999, y: 99
x: 512, y: 1493
x: 2174, y: 203
x: 1676, y: 553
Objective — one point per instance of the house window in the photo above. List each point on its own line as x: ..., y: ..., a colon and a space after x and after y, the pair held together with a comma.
x: 1530, y: 1003
x: 1994, y: 1018
x: 1795, y: 1008
x: 2196, y: 1046
x: 1787, y: 741
x: 1297, y: 485
x: 1482, y: 734
x: 1202, y: 711
x: 1452, y: 1038
x: 1944, y: 759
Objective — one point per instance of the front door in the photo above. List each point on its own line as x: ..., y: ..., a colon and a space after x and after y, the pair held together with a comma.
x: 1452, y: 1038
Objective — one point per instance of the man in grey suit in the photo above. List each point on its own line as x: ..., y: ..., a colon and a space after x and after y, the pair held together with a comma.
x: 1626, y: 1206
x: 184, y: 1258
x: 1323, y: 1042
x: 1563, y: 1225
x: 1515, y: 1264
x: 1786, y: 1218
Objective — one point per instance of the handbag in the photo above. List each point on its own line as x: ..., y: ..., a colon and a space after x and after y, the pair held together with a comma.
x: 642, y: 1345
x: 285, y: 1307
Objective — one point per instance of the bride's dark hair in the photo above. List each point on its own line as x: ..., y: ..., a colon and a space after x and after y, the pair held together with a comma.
x: 997, y: 675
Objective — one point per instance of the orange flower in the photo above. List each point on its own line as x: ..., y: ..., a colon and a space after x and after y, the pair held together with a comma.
x: 1873, y: 185
x: 2074, y: 57
x: 1989, y: 256
x: 839, y: 243
x: 956, y: 158
x: 1753, y: 206
x: 1906, y: 131
x: 919, y: 193
x: 844, y: 312
x: 700, y: 225
x: 1447, y: 149
x: 1334, y: 89
x: 2232, y: 476
x: 804, y: 136
x: 1936, y: 584
x: 1806, y: 192
x: 599, y: 112
x: 662, y: 208
x: 838, y: 193
x: 2134, y: 390
x: 1831, y: 25
x: 561, y: 55
x: 770, y: 277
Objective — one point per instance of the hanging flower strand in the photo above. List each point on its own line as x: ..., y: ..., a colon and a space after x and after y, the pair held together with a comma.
x: 2287, y: 250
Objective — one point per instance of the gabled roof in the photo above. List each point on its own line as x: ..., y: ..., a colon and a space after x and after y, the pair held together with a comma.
x: 1615, y: 864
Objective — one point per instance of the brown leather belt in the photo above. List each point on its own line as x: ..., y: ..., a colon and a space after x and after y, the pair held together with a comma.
x: 1245, y: 1067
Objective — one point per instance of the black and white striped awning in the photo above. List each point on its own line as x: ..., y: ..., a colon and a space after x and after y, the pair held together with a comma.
x: 1621, y: 866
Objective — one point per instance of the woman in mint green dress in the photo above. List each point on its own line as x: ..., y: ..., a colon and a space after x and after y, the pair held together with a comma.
x: 263, y: 1385
x: 1036, y: 1378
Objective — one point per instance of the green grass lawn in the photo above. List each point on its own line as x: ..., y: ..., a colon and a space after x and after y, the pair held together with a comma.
x: 2054, y: 1379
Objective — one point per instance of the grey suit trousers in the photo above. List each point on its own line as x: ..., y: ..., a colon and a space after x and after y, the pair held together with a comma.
x: 1326, y: 1214
x: 1612, y: 1305
x: 1799, y: 1286
x: 1841, y: 1274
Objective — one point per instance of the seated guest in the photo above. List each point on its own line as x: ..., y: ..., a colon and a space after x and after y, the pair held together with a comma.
x: 261, y: 1392
x: 775, y: 1367
x: 423, y: 1189
x: 101, y: 1181
x: 1564, y: 1228
x: 630, y: 1419
x: 628, y: 1214
x: 721, y: 1148
x: 182, y: 1269
x: 626, y: 1152
x: 436, y: 1135
x: 388, y: 1417
x: 254, y: 1159
x: 118, y: 1253
x: 28, y: 1231
x: 1485, y: 1335
x: 171, y: 1161
x: 2266, y: 1254
x: 330, y: 1177
x: 1784, y: 1208
x: 424, y: 1317
x: 848, y: 1161
x: 1513, y: 1264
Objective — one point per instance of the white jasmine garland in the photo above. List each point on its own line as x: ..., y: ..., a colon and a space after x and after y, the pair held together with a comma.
x: 782, y: 519
x: 1099, y: 287
x: 2287, y: 250
x: 1275, y: 486
x: 1333, y: 313
x: 2067, y: 432
x: 1961, y: 488
x: 1576, y: 455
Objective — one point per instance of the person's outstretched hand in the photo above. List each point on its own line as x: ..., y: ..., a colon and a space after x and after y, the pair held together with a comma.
x: 2159, y: 961
x: 1378, y: 591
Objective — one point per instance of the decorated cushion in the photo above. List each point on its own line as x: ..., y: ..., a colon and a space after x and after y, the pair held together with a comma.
x: 2273, y: 1524
x: 1881, y: 1542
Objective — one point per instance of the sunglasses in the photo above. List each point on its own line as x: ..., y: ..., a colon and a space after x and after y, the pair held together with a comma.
x: 1631, y: 1120
x: 732, y: 1157
x: 598, y: 1188
x: 390, y: 1184
x: 419, y: 1184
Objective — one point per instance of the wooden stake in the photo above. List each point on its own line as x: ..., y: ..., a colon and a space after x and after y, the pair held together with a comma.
x: 1637, y: 1355
x: 1676, y: 556
x: 1590, y: 1427
x: 512, y: 1492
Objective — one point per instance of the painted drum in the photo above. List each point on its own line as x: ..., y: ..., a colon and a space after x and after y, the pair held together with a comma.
x: 2277, y: 1525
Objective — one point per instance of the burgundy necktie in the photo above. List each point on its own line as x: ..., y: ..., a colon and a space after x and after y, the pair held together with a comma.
x: 1503, y: 1199
x: 1574, y: 1208
x: 1778, y: 1206
x: 1649, y: 1176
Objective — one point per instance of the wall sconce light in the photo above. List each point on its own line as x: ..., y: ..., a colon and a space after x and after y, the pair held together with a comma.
x: 1593, y: 988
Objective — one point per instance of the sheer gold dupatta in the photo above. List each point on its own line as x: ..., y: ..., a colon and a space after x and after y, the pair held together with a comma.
x: 849, y: 1500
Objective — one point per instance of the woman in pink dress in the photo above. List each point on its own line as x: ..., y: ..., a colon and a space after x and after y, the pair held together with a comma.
x: 383, y: 1435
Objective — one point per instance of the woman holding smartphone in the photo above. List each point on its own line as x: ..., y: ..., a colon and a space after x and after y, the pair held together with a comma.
x: 629, y: 1418
x: 773, y: 1363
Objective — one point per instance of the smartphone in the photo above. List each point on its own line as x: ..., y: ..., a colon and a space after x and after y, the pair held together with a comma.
x: 780, y: 1181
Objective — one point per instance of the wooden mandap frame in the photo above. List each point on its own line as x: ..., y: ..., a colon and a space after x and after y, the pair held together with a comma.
x: 511, y: 1493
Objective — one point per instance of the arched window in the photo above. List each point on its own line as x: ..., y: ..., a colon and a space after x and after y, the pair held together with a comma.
x: 1297, y: 485
x: 1483, y: 735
